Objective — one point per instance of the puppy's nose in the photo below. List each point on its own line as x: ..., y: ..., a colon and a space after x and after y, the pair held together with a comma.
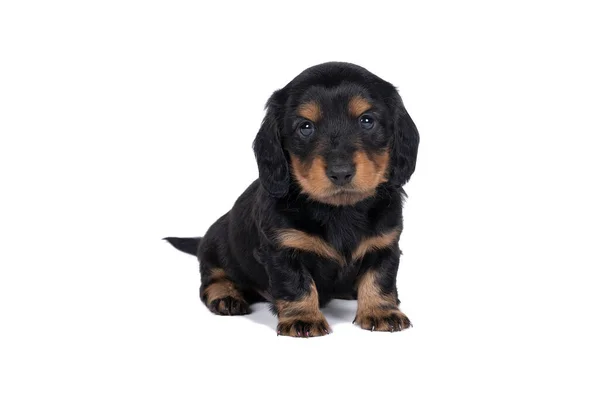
x: 340, y: 174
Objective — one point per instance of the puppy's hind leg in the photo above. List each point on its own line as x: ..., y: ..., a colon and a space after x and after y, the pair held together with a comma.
x: 220, y: 294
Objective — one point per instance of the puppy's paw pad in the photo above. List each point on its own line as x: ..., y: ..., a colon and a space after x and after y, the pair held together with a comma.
x: 229, y: 306
x: 303, y: 327
x: 383, y: 320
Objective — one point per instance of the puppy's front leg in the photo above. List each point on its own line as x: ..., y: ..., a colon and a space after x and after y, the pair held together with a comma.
x: 378, y: 299
x: 297, y: 303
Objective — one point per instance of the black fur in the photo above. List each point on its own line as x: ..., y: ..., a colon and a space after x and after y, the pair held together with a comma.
x: 244, y: 241
x: 272, y: 165
x: 187, y: 245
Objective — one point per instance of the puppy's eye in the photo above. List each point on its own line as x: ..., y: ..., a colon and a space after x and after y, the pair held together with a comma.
x: 367, y: 121
x: 306, y: 128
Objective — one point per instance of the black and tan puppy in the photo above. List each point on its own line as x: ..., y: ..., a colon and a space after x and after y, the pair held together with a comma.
x: 324, y: 218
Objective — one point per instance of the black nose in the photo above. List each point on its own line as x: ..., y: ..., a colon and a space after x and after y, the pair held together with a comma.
x: 340, y: 174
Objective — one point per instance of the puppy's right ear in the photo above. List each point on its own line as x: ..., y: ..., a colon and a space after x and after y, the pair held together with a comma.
x: 273, y: 170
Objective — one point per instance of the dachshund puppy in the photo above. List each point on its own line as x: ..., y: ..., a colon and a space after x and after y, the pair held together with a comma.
x: 324, y: 218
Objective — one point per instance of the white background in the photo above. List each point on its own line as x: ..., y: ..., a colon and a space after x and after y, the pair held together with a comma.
x: 123, y: 122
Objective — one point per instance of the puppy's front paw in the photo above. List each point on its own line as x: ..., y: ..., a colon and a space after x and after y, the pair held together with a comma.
x: 391, y: 320
x: 303, y: 326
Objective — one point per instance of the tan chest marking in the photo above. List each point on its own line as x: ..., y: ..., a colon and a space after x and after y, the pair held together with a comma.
x: 373, y: 243
x: 295, y: 239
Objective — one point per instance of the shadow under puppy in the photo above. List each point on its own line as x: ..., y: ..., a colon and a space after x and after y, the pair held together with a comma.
x: 324, y: 218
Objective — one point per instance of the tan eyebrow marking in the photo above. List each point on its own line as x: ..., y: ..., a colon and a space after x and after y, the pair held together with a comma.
x: 375, y: 243
x: 295, y: 239
x: 358, y: 105
x: 310, y: 111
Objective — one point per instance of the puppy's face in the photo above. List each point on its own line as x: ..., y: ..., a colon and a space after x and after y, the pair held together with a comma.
x: 338, y: 140
x: 338, y: 132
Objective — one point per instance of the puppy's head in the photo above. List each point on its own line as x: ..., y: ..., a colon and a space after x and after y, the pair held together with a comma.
x: 339, y: 132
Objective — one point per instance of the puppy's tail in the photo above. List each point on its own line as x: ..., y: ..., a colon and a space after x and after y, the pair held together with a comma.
x: 187, y: 245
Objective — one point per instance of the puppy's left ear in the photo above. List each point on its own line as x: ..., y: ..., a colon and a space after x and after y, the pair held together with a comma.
x: 273, y: 170
x: 405, y: 144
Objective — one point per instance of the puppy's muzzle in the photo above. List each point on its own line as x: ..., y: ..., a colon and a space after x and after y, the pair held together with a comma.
x: 341, y: 174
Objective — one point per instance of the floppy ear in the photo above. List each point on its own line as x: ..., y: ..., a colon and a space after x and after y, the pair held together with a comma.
x: 405, y: 143
x: 272, y: 165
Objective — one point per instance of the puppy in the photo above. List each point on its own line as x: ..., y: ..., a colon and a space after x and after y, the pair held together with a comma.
x: 324, y: 218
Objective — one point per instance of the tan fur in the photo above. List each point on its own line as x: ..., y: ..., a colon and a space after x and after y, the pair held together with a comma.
x: 357, y: 106
x: 310, y: 111
x: 306, y: 311
x: 217, y: 274
x: 370, y: 298
x: 313, y: 180
x: 296, y: 239
x: 370, y: 172
x: 376, y: 310
x: 220, y: 287
x: 346, y: 198
x: 312, y: 177
x: 308, y: 306
x: 375, y: 243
